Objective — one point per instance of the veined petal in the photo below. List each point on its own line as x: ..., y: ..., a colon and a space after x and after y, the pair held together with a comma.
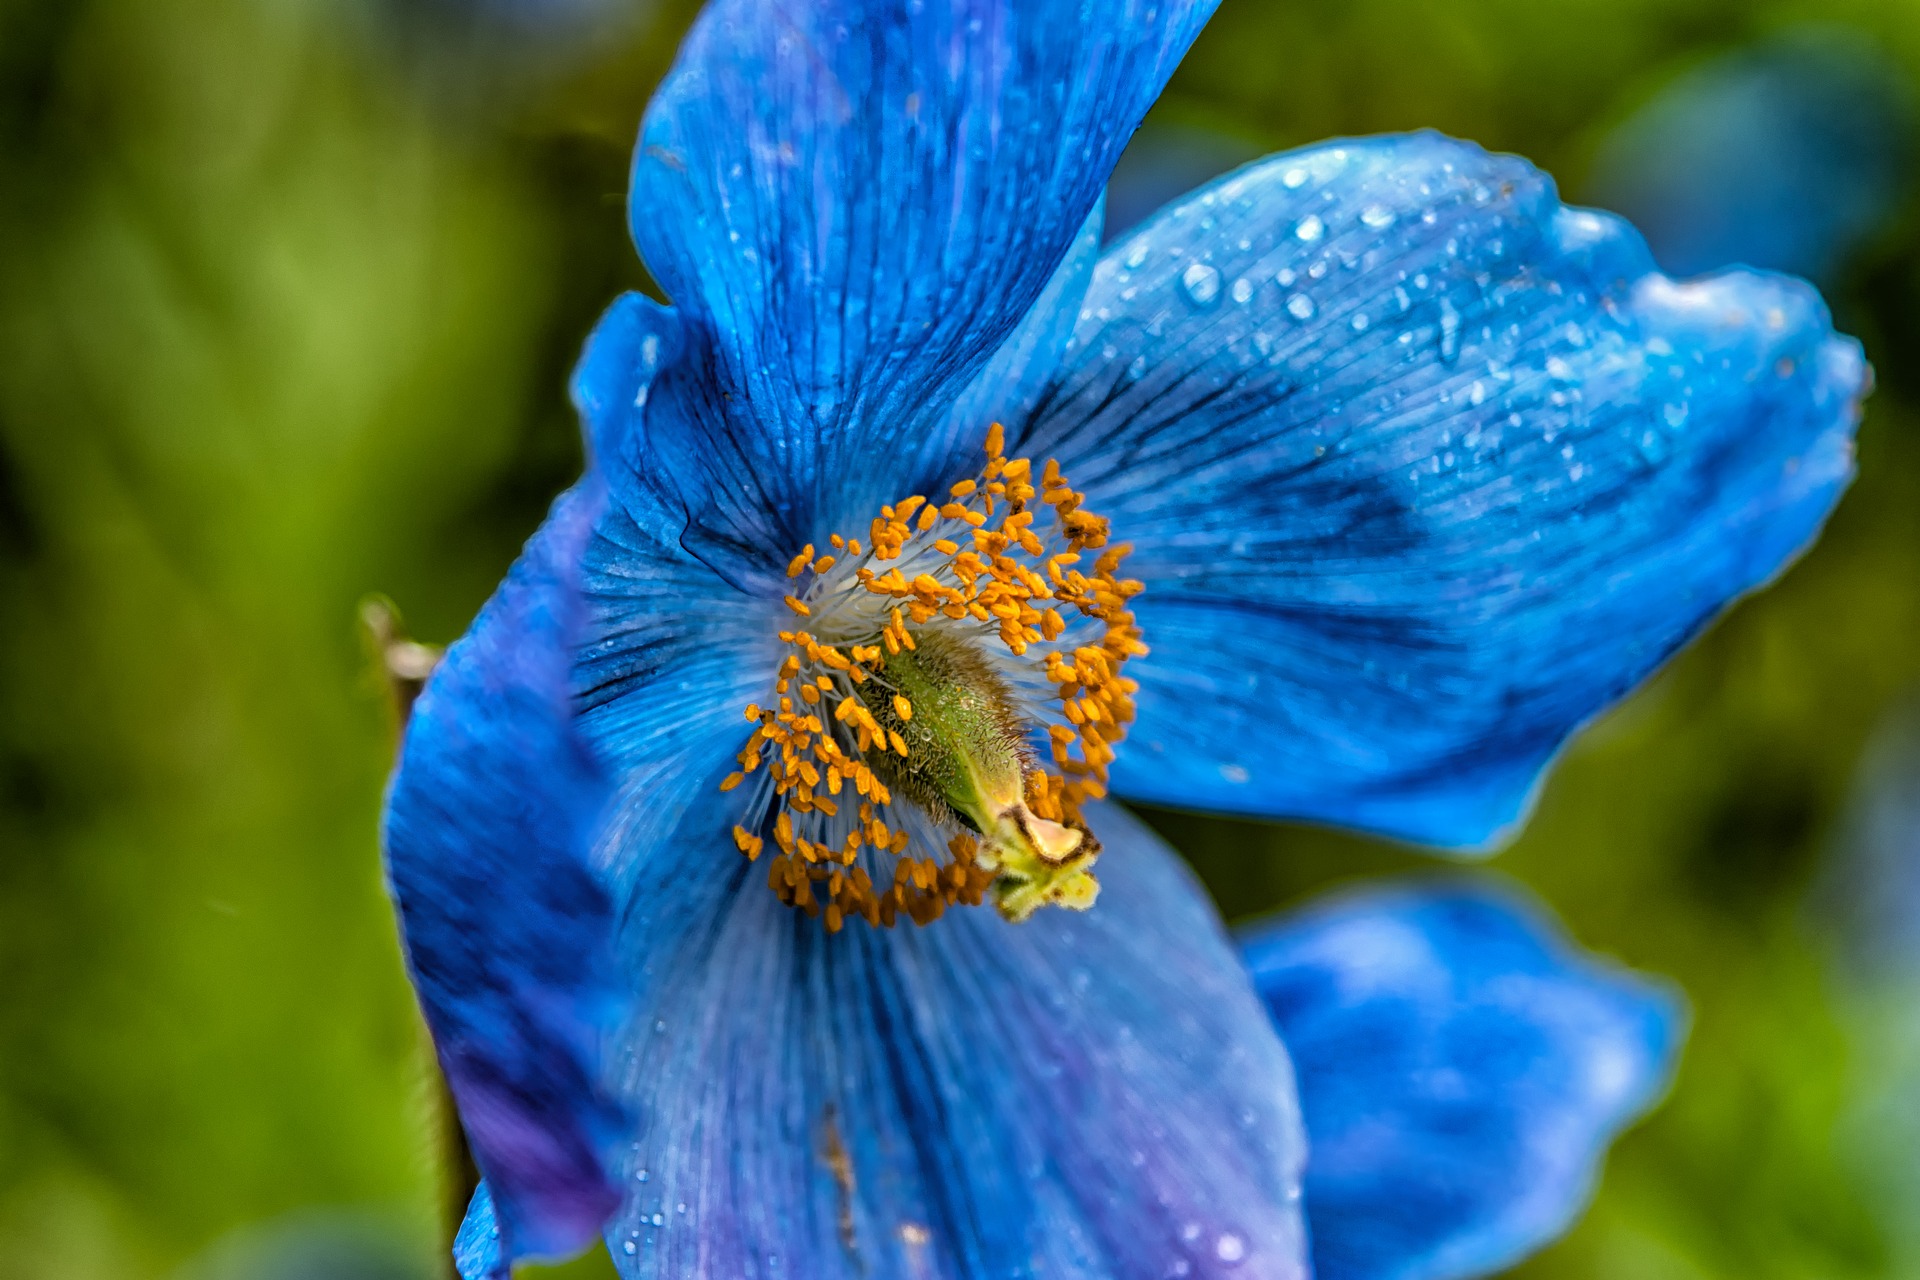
x: 680, y: 632
x: 1462, y: 1069
x: 490, y: 822
x: 1008, y: 388
x: 1091, y: 1094
x: 855, y: 204
x: 1425, y: 470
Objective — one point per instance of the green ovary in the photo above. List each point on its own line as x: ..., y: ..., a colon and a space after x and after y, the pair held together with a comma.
x: 966, y: 762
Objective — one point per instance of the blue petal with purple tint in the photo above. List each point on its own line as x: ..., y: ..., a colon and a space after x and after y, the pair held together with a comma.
x: 1085, y: 1096
x: 490, y: 822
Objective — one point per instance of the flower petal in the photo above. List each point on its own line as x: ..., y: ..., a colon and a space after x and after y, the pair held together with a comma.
x: 1091, y: 1094
x: 632, y: 343
x: 476, y: 1246
x: 854, y: 205
x: 491, y: 818
x: 1425, y: 470
x: 1011, y: 383
x: 1462, y: 1069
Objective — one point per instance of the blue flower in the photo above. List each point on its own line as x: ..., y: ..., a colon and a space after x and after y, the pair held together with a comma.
x: 1790, y: 154
x: 1460, y: 1067
x: 752, y: 852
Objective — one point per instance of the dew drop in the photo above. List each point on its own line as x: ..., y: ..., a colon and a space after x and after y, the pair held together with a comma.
x: 1202, y: 283
x: 1360, y: 322
x: 658, y: 1219
x: 1230, y: 1248
x: 1242, y: 290
x: 1300, y: 307
x: 627, y: 1248
x: 1137, y: 256
x: 1377, y: 216
x: 1294, y: 178
x: 1449, y: 332
x: 1309, y: 228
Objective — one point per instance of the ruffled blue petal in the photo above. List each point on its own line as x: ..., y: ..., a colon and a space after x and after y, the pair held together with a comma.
x: 1084, y: 1095
x: 855, y: 204
x: 490, y: 822
x: 1462, y: 1070
x: 1425, y: 470
x: 1787, y: 155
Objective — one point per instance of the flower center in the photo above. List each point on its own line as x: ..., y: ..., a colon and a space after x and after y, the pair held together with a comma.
x: 952, y: 706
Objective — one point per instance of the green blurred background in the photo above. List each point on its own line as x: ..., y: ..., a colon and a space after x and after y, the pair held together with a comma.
x: 288, y: 293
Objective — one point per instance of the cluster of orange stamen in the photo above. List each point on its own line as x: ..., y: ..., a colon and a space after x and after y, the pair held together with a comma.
x: 974, y: 562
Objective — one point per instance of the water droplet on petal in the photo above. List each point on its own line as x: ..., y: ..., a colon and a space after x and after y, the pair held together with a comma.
x: 1137, y: 256
x: 1294, y: 178
x: 1377, y: 216
x: 1202, y: 283
x: 1242, y: 290
x: 1300, y: 307
x: 1230, y: 1248
x: 1449, y: 332
x: 1309, y: 228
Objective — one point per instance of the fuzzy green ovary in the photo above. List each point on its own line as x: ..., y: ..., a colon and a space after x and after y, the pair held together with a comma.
x: 967, y: 761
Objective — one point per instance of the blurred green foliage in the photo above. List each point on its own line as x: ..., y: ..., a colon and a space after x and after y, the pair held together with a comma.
x: 288, y: 290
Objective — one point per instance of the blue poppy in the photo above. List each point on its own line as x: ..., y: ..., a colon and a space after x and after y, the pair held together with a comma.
x: 1461, y: 1068
x: 1790, y: 154
x: 752, y: 851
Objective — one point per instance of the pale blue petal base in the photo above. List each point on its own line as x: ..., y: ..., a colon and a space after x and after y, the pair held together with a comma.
x: 1087, y: 1095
